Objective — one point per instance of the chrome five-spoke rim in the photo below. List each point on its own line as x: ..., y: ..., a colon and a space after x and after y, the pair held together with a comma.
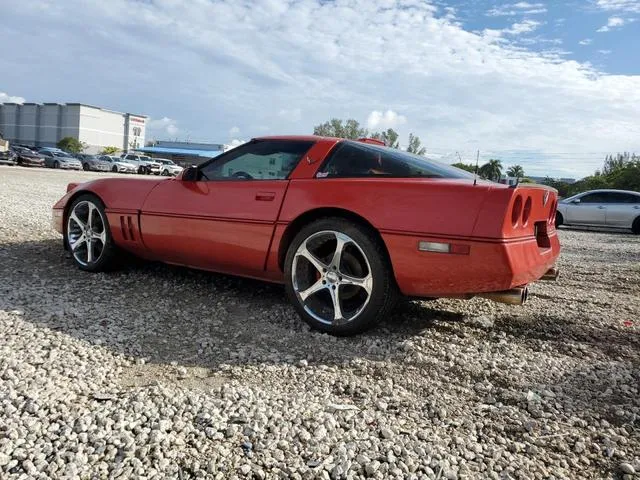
x: 332, y: 277
x: 86, y: 233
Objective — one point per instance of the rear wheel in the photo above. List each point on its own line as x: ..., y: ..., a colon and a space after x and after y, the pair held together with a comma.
x: 338, y: 277
x: 114, y: 169
x: 88, y: 236
x: 56, y: 164
x: 85, y: 167
x: 635, y: 228
x: 559, y: 219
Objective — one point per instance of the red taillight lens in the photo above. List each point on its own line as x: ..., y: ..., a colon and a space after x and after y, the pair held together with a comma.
x: 526, y: 211
x: 516, y: 211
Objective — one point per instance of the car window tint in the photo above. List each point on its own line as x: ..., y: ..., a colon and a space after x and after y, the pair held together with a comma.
x: 593, y: 198
x: 356, y: 159
x: 620, y: 197
x: 257, y: 160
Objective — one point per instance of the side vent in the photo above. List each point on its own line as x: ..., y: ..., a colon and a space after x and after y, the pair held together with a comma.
x: 126, y: 227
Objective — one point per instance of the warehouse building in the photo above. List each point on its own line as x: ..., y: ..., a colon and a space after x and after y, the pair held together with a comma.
x: 43, y: 125
x: 184, y: 153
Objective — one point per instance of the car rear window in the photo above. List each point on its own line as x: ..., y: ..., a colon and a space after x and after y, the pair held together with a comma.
x: 357, y: 159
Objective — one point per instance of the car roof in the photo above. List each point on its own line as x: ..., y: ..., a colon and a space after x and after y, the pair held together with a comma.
x: 609, y: 190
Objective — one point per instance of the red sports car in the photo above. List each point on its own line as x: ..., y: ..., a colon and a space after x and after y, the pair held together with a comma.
x: 346, y: 225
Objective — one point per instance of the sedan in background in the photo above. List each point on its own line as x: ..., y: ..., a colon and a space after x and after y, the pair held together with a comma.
x: 60, y: 159
x: 93, y: 163
x: 601, y: 208
x: 27, y: 157
x: 116, y: 165
x: 168, y: 168
x: 8, y: 157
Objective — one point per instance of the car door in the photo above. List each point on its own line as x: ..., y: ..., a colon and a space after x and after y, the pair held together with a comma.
x: 589, y: 210
x: 223, y: 221
x: 622, y: 209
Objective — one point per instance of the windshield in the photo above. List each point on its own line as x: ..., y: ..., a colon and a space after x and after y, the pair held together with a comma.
x: 145, y: 158
x: 60, y: 154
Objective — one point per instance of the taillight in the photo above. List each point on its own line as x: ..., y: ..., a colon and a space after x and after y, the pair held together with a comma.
x: 516, y: 211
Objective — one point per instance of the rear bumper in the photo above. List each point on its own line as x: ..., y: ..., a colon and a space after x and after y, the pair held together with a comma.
x: 489, y: 266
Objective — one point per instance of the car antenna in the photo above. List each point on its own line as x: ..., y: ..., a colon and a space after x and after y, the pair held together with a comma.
x: 475, y: 178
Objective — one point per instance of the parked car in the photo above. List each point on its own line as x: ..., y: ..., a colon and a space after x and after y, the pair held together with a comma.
x: 347, y: 226
x: 601, y: 208
x: 145, y: 164
x: 8, y: 157
x: 60, y: 159
x: 93, y: 163
x: 168, y: 167
x: 28, y: 158
x: 117, y: 165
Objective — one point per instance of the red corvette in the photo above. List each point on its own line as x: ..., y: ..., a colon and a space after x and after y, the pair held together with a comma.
x: 346, y: 225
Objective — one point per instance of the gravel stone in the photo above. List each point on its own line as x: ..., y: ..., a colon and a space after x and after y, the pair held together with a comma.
x: 153, y: 371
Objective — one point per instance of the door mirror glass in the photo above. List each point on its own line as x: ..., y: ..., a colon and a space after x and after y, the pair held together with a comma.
x: 190, y: 174
x: 576, y: 201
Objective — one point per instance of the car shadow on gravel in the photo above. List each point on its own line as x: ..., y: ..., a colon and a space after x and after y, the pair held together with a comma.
x: 170, y: 315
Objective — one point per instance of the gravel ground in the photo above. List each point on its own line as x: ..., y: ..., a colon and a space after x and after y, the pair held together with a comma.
x: 164, y: 372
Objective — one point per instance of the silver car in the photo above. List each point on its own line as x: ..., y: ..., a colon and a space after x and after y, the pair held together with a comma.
x: 601, y: 208
x: 60, y: 159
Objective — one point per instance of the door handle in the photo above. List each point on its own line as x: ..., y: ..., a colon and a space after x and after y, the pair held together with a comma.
x: 601, y: 208
x: 637, y: 207
x: 265, y: 196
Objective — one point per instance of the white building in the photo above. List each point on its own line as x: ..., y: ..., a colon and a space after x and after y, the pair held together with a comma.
x: 43, y: 125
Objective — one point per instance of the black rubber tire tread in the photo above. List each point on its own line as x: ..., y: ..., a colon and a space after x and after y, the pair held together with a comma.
x: 635, y: 226
x: 108, y: 259
x: 384, y: 294
x: 559, y: 219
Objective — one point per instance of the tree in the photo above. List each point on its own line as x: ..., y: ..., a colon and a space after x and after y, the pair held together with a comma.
x: 390, y: 138
x: 415, y: 146
x: 71, y: 145
x: 492, y: 170
x: 337, y: 128
x: 515, y: 171
x: 109, y: 151
x: 465, y: 166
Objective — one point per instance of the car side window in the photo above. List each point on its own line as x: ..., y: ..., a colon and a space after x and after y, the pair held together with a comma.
x: 257, y: 160
x: 593, y: 198
x: 623, y: 198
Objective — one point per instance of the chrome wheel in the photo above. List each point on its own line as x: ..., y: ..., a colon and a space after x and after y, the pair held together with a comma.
x: 86, y: 233
x: 331, y: 277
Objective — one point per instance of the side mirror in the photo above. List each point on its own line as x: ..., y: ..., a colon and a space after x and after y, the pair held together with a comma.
x: 190, y: 174
x: 576, y: 201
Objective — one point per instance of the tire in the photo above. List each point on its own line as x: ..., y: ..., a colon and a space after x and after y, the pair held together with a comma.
x: 85, y: 167
x: 635, y: 227
x: 103, y: 249
x: 559, y: 219
x: 362, y: 282
x: 114, y: 169
x: 56, y: 164
x: 141, y: 170
x: 165, y: 173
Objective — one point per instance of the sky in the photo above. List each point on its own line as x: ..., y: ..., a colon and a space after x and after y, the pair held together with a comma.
x: 551, y: 85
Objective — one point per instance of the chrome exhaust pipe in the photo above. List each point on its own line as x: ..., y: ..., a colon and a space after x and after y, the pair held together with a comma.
x: 515, y: 296
x: 551, y: 275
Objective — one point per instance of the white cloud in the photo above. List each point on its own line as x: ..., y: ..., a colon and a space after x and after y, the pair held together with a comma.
x: 291, y: 114
x: 613, y: 22
x: 234, y: 131
x: 586, y: 41
x: 520, y: 28
x: 235, y: 142
x: 631, y: 6
x: 382, y: 120
x: 162, y: 128
x: 241, y: 63
x: 604, y: 52
x: 520, y: 8
x: 6, y: 98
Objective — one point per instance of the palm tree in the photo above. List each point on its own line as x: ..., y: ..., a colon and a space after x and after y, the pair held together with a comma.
x: 492, y: 170
x: 515, y: 171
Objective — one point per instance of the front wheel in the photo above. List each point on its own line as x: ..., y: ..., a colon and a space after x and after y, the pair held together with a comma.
x: 635, y: 228
x: 114, y: 169
x: 88, y: 236
x: 56, y: 164
x: 338, y: 277
x: 559, y: 219
x: 85, y: 167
